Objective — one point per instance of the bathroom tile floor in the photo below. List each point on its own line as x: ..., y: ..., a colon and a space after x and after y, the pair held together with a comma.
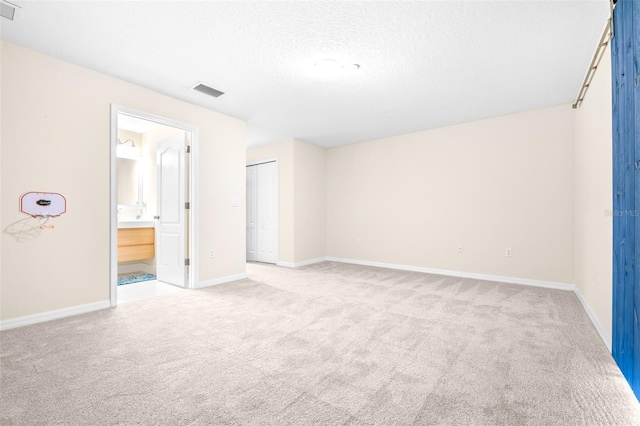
x: 144, y: 290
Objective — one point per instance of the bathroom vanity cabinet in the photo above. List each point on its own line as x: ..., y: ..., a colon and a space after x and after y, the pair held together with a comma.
x: 136, y: 244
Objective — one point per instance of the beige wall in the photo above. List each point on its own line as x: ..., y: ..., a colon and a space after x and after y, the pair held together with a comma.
x: 488, y: 185
x: 309, y: 201
x: 283, y: 151
x: 593, y: 195
x: 42, y: 98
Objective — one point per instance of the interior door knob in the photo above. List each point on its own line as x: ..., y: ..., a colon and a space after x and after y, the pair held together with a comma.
x: 156, y: 217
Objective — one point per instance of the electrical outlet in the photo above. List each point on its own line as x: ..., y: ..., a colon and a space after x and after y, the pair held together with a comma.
x: 357, y: 241
x: 508, y: 252
x: 460, y: 248
x: 212, y: 254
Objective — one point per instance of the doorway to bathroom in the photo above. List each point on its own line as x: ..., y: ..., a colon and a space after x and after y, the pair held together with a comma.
x: 152, y: 195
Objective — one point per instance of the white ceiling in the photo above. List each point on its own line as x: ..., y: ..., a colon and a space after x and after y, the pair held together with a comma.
x: 423, y: 64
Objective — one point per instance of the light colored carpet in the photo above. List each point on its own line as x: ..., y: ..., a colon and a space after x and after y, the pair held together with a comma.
x: 328, y: 344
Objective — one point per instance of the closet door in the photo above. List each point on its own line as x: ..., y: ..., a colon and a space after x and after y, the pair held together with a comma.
x: 267, y: 200
x: 262, y: 212
x: 251, y: 213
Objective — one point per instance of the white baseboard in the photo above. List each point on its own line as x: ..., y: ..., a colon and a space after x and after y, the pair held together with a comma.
x: 299, y: 264
x: 223, y: 280
x: 606, y: 338
x: 484, y: 277
x: 53, y: 315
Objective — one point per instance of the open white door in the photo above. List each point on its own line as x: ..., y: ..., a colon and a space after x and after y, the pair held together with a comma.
x: 262, y: 212
x: 171, y: 223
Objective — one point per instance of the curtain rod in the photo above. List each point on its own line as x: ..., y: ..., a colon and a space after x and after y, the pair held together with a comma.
x: 607, y: 35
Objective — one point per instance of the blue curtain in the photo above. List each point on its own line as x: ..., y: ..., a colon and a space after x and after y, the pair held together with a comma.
x: 625, y: 58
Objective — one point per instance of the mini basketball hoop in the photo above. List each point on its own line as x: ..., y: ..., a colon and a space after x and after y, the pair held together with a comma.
x: 43, y: 204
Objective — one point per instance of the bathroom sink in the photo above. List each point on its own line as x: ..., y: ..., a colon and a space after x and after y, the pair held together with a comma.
x: 137, y: 224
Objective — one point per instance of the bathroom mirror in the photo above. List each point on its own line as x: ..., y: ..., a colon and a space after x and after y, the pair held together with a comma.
x: 129, y: 183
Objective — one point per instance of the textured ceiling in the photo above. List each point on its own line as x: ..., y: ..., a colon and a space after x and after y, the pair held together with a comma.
x: 423, y: 64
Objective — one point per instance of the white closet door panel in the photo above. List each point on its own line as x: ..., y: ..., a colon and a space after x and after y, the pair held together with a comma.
x: 251, y: 213
x: 267, y: 210
x: 262, y: 212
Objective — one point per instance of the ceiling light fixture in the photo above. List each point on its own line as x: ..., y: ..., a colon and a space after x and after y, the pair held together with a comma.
x: 133, y: 144
x: 330, y: 68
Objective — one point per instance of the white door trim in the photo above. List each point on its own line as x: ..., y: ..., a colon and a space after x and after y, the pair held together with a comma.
x: 113, y: 205
x: 272, y: 160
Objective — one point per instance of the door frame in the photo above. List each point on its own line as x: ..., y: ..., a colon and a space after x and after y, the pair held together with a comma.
x: 256, y: 163
x: 192, y: 230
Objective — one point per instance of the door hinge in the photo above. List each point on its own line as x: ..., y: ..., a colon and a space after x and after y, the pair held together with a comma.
x: 187, y: 205
x: 188, y: 149
x: 187, y: 262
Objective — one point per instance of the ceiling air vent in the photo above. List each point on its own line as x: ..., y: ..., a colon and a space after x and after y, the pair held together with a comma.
x: 207, y: 90
x: 9, y: 10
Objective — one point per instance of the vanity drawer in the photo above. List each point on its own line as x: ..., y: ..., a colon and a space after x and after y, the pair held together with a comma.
x: 136, y: 244
x: 127, y: 253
